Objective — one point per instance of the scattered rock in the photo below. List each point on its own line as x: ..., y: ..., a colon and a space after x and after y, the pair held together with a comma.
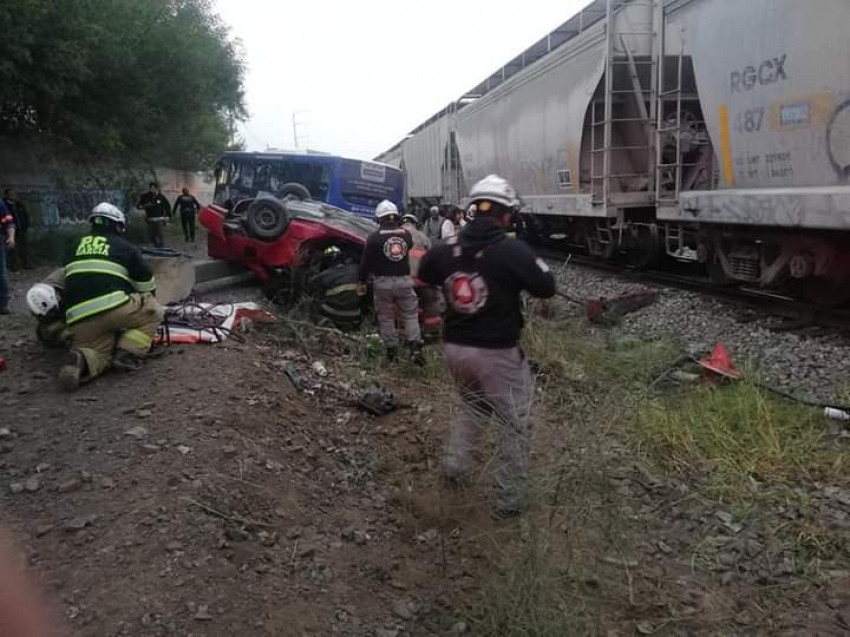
x: 69, y: 485
x: 229, y: 451
x: 151, y: 449
x: 645, y: 628
x: 203, y: 613
x: 174, y: 546
x: 402, y: 610
x: 144, y: 413
x: 306, y: 552
x: 80, y: 522
x: 459, y: 628
x: 183, y: 449
x: 32, y: 484
x: 664, y: 547
x: 5, y: 432
x: 16, y: 487
x: 382, y: 632
x: 85, y: 476
x: 44, y: 529
x: 724, y: 516
x: 138, y: 432
x: 41, y: 467
x: 107, y: 483
x: 753, y: 548
x: 726, y: 559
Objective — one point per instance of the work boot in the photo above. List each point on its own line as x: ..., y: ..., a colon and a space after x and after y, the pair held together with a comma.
x: 125, y: 361
x: 73, y: 372
x: 392, y: 354
x: 416, y: 353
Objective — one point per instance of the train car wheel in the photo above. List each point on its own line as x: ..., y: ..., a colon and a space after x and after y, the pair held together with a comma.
x: 645, y: 250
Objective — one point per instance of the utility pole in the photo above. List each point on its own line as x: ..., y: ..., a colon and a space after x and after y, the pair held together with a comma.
x: 296, y: 138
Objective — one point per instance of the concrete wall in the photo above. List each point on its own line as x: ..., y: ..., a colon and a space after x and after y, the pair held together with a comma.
x: 58, y: 193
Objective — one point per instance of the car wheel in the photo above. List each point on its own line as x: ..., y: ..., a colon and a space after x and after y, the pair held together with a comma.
x: 294, y: 191
x: 266, y: 219
x: 334, y: 294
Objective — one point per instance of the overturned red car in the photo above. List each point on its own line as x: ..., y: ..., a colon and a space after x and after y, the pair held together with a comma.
x: 303, y: 249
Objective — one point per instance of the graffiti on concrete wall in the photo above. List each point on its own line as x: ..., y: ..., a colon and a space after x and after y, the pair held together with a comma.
x: 55, y: 208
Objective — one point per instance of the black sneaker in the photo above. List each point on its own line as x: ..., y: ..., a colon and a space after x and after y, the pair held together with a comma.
x: 72, y: 374
x: 392, y: 354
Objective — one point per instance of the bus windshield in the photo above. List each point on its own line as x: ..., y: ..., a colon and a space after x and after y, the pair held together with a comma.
x: 352, y: 185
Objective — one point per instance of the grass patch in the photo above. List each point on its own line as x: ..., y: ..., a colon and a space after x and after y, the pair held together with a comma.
x: 532, y: 599
x: 736, y: 434
x: 575, y: 352
x: 547, y: 582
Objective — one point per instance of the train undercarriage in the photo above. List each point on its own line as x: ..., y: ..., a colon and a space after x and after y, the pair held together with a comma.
x: 811, y: 265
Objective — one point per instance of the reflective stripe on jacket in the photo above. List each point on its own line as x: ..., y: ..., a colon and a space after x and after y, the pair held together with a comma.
x: 102, y: 273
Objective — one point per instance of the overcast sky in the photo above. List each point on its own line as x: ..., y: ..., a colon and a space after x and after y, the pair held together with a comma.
x: 359, y: 75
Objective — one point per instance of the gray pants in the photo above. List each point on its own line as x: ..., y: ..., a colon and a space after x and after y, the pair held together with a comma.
x: 155, y: 231
x: 496, y: 387
x: 396, y: 299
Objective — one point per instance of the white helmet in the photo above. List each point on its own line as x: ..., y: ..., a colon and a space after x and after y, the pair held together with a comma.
x: 108, y: 211
x: 496, y: 189
x: 435, y: 209
x: 385, y: 209
x: 42, y: 299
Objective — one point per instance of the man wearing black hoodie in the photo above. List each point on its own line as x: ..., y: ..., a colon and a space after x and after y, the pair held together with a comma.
x: 482, y: 274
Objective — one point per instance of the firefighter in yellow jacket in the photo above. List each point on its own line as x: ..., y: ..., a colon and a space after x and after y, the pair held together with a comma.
x: 110, y: 307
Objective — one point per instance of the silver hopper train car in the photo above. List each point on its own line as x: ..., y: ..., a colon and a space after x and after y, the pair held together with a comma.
x: 710, y: 131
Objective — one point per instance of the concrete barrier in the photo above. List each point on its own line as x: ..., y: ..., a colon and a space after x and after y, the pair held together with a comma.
x: 175, y: 275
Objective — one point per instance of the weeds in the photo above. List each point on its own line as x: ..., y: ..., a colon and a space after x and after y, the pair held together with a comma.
x: 738, y: 436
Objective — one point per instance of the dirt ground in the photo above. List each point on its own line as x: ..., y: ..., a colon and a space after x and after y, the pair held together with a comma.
x: 205, y: 495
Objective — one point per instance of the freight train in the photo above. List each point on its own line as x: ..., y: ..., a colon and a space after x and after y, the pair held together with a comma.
x: 709, y: 131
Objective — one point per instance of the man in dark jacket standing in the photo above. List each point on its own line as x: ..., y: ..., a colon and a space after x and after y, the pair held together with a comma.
x: 20, y: 255
x: 7, y: 243
x: 157, y: 213
x: 386, y: 258
x: 482, y: 273
x: 188, y: 207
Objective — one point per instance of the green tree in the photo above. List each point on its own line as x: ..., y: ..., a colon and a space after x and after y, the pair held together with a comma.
x: 133, y: 81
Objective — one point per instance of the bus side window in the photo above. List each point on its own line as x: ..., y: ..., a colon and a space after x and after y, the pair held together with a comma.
x: 265, y: 178
x: 222, y: 181
x: 315, y: 178
x: 243, y: 178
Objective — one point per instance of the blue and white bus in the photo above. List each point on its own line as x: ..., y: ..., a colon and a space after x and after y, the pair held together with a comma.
x: 351, y: 184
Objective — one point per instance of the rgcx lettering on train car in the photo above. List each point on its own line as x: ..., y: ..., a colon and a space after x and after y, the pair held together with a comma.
x: 768, y: 72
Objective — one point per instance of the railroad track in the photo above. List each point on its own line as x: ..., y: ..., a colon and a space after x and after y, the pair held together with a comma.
x: 797, y: 313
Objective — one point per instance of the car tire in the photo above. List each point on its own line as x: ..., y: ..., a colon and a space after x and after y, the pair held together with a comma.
x: 294, y: 191
x: 266, y: 219
x: 335, y: 298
